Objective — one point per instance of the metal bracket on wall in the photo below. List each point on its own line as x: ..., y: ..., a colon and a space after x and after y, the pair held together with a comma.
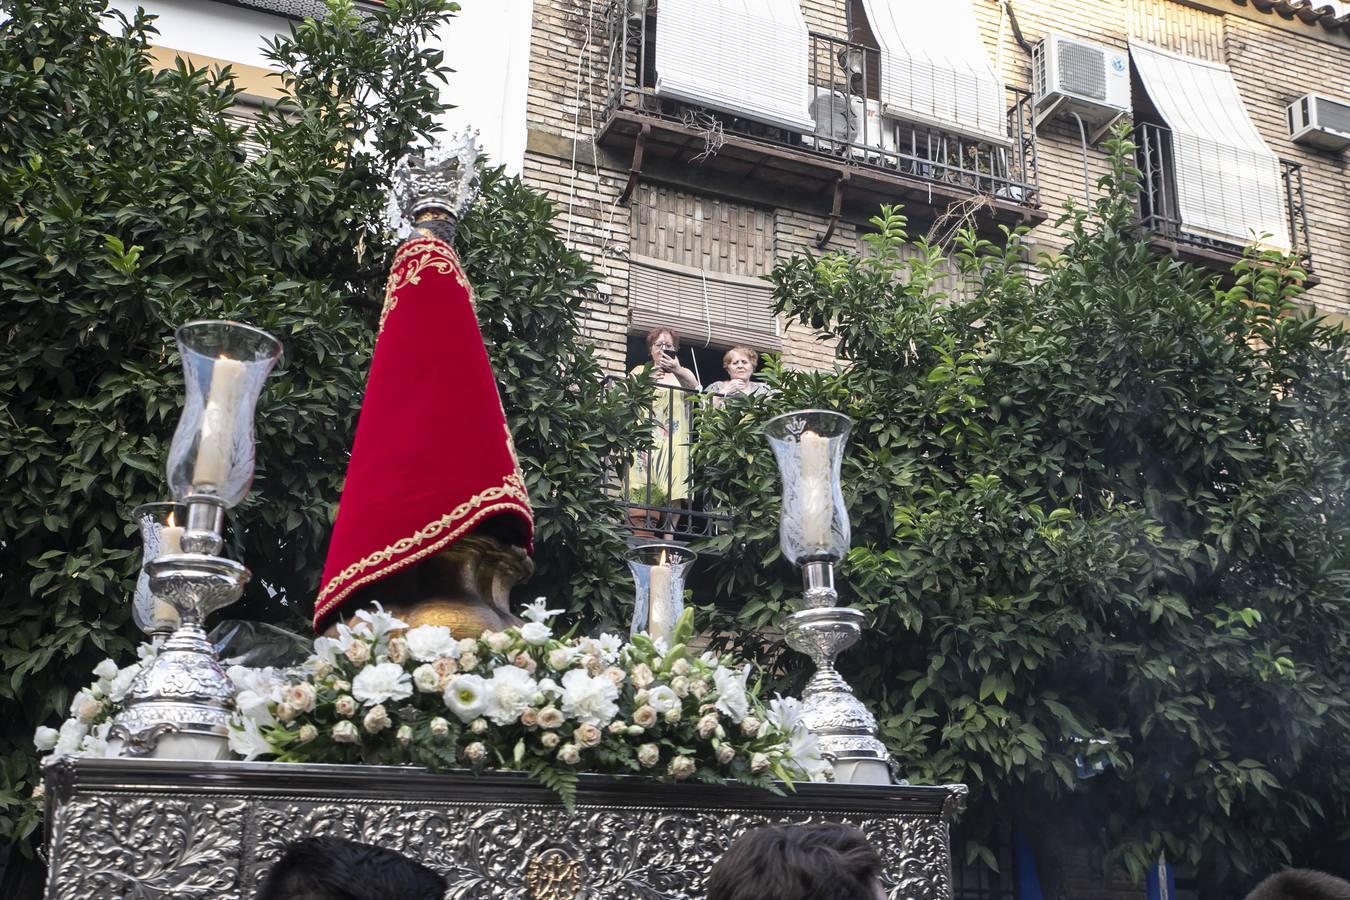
x: 635, y: 170
x: 839, y: 181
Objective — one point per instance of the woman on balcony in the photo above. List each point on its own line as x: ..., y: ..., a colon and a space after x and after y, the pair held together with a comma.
x: 659, y: 477
x: 739, y: 363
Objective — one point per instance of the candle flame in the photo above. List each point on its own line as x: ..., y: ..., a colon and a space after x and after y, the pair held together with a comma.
x: 169, y: 524
x: 663, y: 557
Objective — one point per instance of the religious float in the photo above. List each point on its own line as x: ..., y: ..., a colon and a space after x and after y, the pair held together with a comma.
x: 426, y: 717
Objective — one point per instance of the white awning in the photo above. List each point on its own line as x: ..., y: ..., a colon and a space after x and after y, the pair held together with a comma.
x: 1228, y: 182
x: 934, y: 67
x: 747, y: 57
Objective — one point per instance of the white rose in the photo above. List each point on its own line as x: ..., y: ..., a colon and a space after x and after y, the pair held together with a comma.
x: 307, y: 733
x: 468, y: 661
x: 617, y: 727
x: 698, y: 687
x: 382, y: 682
x: 758, y: 762
x: 286, y: 712
x: 642, y: 675
x: 45, y: 739
x: 439, y: 727
x: 569, y: 754
x: 345, y: 732
x: 428, y: 643
x: 644, y: 716
x: 397, y: 651
x: 663, y: 699
x: 404, y: 735
x: 560, y: 658
x: 681, y: 767
x: 468, y: 645
x: 587, y: 699
x: 707, y: 726
x: 445, y: 666
x: 479, y: 726
x: 89, y: 710
x: 530, y: 717
x: 376, y: 720
x: 649, y: 755
x: 587, y: 736
x: 731, y: 696
x: 680, y: 685
x: 536, y: 633
x: 672, y: 715
x: 302, y: 696
x: 475, y: 752
x: 77, y: 701
x: 426, y: 679
x: 523, y: 660
x: 466, y: 696
x: 725, y: 754
x: 345, y: 706
x: 616, y: 675
x: 550, y: 717
x: 750, y: 726
x: 106, y: 670
x: 549, y: 739
x: 497, y: 641
x: 680, y: 667
x: 510, y: 692
x: 358, y: 652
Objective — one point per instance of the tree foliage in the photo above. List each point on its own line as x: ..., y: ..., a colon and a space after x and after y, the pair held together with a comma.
x: 1099, y: 521
x: 131, y: 206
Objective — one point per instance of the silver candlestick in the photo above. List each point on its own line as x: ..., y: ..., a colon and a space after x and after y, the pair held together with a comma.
x: 814, y: 533
x: 179, y: 705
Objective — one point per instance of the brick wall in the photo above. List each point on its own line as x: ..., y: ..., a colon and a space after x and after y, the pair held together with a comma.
x: 567, y: 100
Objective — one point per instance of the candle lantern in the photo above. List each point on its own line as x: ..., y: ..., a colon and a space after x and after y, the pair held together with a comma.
x: 814, y: 534
x: 178, y: 706
x: 161, y: 527
x: 659, y: 570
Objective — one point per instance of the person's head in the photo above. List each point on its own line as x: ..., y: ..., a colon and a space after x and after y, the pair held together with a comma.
x: 1301, y: 884
x: 661, y: 339
x: 330, y: 868
x: 798, y: 862
x: 740, y: 362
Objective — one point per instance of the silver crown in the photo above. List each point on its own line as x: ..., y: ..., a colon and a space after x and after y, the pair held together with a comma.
x: 441, y: 177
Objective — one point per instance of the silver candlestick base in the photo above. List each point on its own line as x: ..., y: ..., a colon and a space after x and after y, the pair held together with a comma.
x: 179, y: 705
x: 847, y: 731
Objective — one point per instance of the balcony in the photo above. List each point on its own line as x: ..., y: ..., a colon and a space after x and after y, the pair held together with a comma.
x: 660, y: 500
x: 854, y: 160
x: 1160, y: 209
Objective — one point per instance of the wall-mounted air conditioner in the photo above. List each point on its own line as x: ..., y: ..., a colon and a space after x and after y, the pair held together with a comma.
x: 843, y: 118
x: 1320, y: 122
x: 1073, y: 76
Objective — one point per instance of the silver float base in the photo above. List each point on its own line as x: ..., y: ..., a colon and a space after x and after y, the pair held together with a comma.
x: 168, y: 828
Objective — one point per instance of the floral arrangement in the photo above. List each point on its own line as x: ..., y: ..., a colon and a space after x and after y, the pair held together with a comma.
x: 381, y: 692
x: 85, y: 732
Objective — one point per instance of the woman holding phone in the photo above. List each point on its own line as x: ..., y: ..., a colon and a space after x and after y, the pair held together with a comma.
x: 660, y: 476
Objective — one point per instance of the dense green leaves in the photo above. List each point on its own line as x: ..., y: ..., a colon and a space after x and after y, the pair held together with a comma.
x: 130, y: 206
x: 1099, y: 510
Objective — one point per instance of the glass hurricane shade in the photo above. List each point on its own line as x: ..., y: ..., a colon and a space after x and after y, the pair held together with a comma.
x: 161, y: 527
x: 225, y: 365
x: 809, y: 447
x: 658, y: 570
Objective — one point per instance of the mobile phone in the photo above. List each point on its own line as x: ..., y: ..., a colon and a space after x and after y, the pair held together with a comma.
x: 673, y: 354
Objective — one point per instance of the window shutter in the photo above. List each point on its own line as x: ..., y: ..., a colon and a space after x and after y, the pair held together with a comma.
x: 1228, y: 181
x: 934, y: 67
x: 735, y: 309
x: 747, y: 57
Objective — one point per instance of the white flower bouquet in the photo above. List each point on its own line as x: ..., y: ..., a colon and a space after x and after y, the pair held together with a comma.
x: 523, y: 699
x: 85, y: 732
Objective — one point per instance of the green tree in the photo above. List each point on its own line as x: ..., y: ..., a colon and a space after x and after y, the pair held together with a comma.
x: 1099, y: 512
x: 131, y: 206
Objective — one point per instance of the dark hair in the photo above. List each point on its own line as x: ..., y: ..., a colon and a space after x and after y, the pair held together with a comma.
x: 330, y: 868
x: 1301, y: 884
x: 797, y: 862
x: 657, y: 332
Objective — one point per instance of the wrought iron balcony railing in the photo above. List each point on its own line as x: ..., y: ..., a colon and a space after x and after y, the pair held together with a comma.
x: 1160, y: 212
x: 660, y: 498
x: 844, y: 80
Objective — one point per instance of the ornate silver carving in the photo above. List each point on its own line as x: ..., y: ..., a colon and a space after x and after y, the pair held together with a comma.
x: 442, y: 179
x: 161, y: 828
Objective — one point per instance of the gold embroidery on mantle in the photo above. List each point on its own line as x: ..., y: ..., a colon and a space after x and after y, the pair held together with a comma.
x: 553, y: 875
x: 511, y: 494
x: 421, y: 254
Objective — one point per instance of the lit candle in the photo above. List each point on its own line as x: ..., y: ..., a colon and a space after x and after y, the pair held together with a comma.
x: 659, y: 624
x: 215, y: 449
x: 170, y: 542
x: 814, y: 485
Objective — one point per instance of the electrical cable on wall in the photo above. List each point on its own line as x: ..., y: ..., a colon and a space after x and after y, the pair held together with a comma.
x: 1082, y: 136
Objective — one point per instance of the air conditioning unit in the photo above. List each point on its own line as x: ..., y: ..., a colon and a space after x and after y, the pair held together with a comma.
x: 1320, y: 122
x: 1073, y: 76
x: 843, y: 118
